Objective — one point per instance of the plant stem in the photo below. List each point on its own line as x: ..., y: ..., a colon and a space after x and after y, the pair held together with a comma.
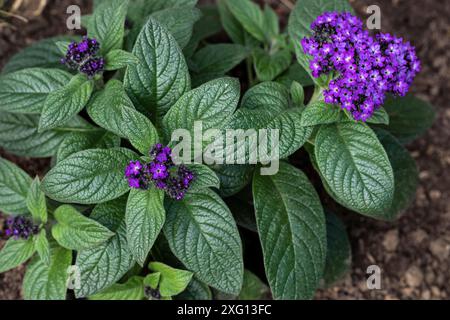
x: 250, y: 72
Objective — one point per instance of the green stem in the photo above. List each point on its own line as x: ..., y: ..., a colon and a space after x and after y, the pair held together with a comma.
x: 251, y: 79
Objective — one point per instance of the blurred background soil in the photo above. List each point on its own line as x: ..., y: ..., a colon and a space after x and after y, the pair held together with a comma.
x: 413, y: 252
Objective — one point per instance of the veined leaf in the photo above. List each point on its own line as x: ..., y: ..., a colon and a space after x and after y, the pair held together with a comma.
x: 48, y: 282
x: 89, y: 176
x: 291, y: 226
x: 162, y: 76
x: 133, y: 289
x: 144, y: 219
x: 233, y: 178
x: 141, y: 9
x: 267, y: 96
x: 355, y: 167
x: 196, y: 290
x: 269, y: 66
x: 15, y: 252
x: 250, y: 16
x: 205, y: 177
x: 25, y: 91
x: 36, y: 202
x: 321, y: 113
x: 253, y: 288
x: 201, y: 232
x: 14, y: 186
x: 114, y: 111
x: 118, y: 59
x: 76, y: 232
x: 61, y: 105
x: 172, y: 281
x: 296, y: 73
x: 102, y: 266
x: 42, y: 246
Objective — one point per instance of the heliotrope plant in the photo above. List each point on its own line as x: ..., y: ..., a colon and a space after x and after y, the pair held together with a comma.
x: 119, y: 218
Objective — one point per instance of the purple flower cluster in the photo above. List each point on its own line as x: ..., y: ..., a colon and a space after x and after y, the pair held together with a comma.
x: 366, y: 67
x: 82, y: 56
x: 20, y: 227
x: 161, y: 172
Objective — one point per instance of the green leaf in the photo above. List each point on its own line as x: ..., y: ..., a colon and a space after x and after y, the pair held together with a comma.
x: 301, y: 18
x: 201, y: 232
x: 271, y: 22
x: 76, y: 232
x: 19, y: 135
x: 140, y: 9
x: 25, y: 91
x: 269, y: 66
x: 179, y: 22
x: 79, y: 141
x: 42, y: 246
x: 43, y: 282
x: 196, y: 290
x: 250, y: 16
x: 231, y: 25
x: 339, y: 254
x: 296, y: 73
x: 42, y: 54
x: 15, y: 252
x: 297, y: 94
x: 133, y: 289
x: 107, y: 25
x: 14, y: 186
x: 406, y: 175
x: 36, y: 202
x: 61, y: 105
x: 215, y: 60
x: 114, y: 111
x: 63, y: 46
x: 292, y: 229
x: 267, y: 96
x: 204, y: 177
x: 321, y: 113
x: 102, y: 266
x: 162, y: 77
x: 172, y: 281
x: 380, y: 116
x: 212, y: 103
x: 355, y: 167
x: 144, y: 219
x: 253, y: 288
x: 118, y: 59
x: 233, y: 178
x: 89, y: 176
x: 409, y: 117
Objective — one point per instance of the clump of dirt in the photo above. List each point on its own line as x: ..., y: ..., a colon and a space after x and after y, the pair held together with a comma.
x: 413, y: 252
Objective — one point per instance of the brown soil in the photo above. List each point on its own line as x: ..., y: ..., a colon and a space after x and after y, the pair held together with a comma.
x: 413, y: 252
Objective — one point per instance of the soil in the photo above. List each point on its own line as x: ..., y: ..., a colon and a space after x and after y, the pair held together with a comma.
x: 412, y: 252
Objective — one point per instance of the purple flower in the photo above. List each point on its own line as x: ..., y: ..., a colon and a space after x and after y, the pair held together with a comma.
x: 20, y: 227
x: 368, y: 67
x: 82, y: 56
x: 134, y: 183
x: 158, y: 171
x: 133, y: 169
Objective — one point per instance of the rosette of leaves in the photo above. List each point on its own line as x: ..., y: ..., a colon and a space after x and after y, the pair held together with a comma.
x: 164, y: 74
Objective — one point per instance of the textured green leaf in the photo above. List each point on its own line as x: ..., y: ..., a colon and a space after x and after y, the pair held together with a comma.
x: 272, y: 27
x: 102, y: 266
x: 144, y: 219
x: 204, y: 177
x: 15, y: 252
x: 233, y: 178
x: 339, y: 255
x: 201, y: 232
x: 179, y: 21
x: 77, y: 232
x: 107, y: 24
x: 196, y: 290
x: 25, y: 91
x: 42, y: 54
x: 114, y: 111
x: 36, y: 202
x: 269, y: 66
x: 267, y: 96
x: 243, y: 212
x: 303, y: 14
x: 19, y: 135
x: 48, y: 282
x: 140, y: 9
x: 61, y: 105
x: 162, y: 76
x: 89, y: 176
x: 250, y: 16
x: 215, y: 60
x: 409, y: 117
x: 212, y: 103
x: 79, y: 141
x: 172, y: 281
x: 14, y: 186
x: 297, y: 94
x: 231, y: 25
x: 291, y: 226
x: 321, y: 113
x: 406, y: 175
x: 355, y: 167
x: 42, y: 246
x: 253, y: 288
x: 133, y: 289
x: 296, y: 73
x: 118, y: 59
x: 380, y: 116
